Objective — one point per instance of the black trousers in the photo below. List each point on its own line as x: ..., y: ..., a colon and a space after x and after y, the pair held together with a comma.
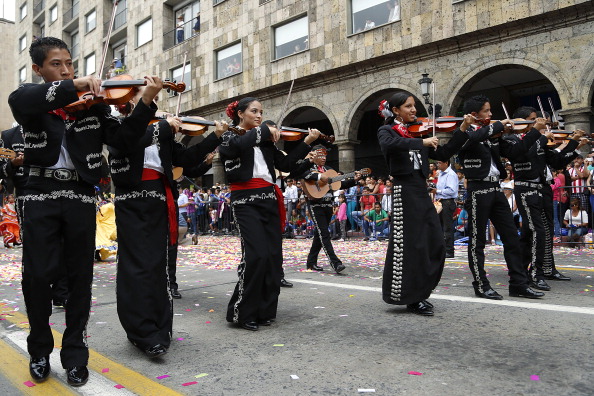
x: 548, y: 267
x: 59, y: 231
x: 172, y: 266
x: 485, y: 201
x: 321, y: 214
x: 446, y: 217
x: 534, y: 232
x: 144, y: 303
x: 257, y: 218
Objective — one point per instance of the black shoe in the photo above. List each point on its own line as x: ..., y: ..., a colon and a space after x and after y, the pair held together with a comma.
x: 428, y: 303
x: 39, y: 368
x: 314, y: 267
x: 285, y: 283
x: 265, y: 322
x: 77, y: 376
x: 558, y: 276
x: 420, y: 308
x: 253, y: 326
x: 524, y: 291
x: 488, y: 294
x: 59, y: 303
x: 155, y: 350
x: 176, y: 294
x: 339, y: 268
x: 540, y: 284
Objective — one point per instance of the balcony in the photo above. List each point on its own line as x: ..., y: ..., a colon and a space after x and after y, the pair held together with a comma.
x: 38, y: 12
x: 119, y: 21
x: 172, y: 37
x: 75, y: 51
x: 71, y: 18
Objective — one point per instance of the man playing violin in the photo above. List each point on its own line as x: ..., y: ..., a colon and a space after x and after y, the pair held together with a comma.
x: 321, y: 211
x: 482, y: 167
x: 534, y: 196
x: 64, y: 152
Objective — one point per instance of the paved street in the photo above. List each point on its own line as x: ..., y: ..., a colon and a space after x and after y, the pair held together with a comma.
x: 333, y: 334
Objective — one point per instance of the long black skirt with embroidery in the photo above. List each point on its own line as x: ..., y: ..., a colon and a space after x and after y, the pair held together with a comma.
x: 144, y: 304
x: 416, y: 251
x: 256, y: 215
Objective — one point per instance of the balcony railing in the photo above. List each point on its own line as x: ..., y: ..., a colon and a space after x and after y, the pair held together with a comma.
x: 71, y: 13
x: 118, y: 22
x: 74, y: 51
x: 37, y: 8
x: 173, y: 37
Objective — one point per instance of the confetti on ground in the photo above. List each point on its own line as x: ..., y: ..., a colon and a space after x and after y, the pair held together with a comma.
x: 293, y: 376
x: 105, y: 370
x: 366, y: 390
x: 207, y: 322
x: 415, y: 373
x: 535, y: 378
x: 319, y: 307
x: 211, y: 310
x: 180, y: 339
x: 201, y: 375
x: 163, y: 376
x: 190, y: 383
x: 118, y: 386
x: 279, y: 345
x: 29, y: 384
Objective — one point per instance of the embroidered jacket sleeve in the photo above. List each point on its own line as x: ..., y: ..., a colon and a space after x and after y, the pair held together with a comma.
x: 194, y: 155
x: 290, y: 162
x: 125, y: 135
x: 558, y: 159
x: 514, y: 148
x: 197, y: 171
x: 233, y: 144
x: 6, y: 168
x: 446, y: 151
x: 391, y: 141
x: 30, y: 100
x: 486, y: 132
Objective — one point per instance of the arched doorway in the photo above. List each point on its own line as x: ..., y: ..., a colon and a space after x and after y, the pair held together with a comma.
x: 513, y: 85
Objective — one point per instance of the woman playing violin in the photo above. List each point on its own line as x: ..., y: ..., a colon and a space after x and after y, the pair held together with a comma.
x: 146, y: 218
x: 416, y: 251
x: 250, y: 158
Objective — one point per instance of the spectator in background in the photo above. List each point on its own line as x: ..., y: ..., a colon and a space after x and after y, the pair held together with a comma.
x: 559, y: 195
x: 342, y: 216
x: 394, y: 8
x: 182, y: 203
x: 352, y: 197
x: 196, y: 27
x: 446, y: 192
x: 366, y: 203
x: 179, y: 30
x: 369, y: 24
x: 579, y: 175
x: 576, y: 221
x: 387, y: 199
x: 377, y: 219
x: 291, y: 196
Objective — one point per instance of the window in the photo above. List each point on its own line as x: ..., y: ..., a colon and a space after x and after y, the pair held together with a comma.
x: 74, y: 47
x: 23, y: 43
x: 53, y: 13
x: 90, y: 21
x: 187, y: 21
x: 367, y: 14
x: 176, y: 75
x: 291, y: 37
x: 42, y: 30
x: 23, y: 11
x: 22, y: 74
x: 229, y: 61
x: 144, y: 32
x: 90, y: 64
x: 215, y: 2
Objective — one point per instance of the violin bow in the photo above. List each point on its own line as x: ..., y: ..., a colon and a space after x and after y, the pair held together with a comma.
x: 282, y: 114
x: 433, y: 105
x: 553, y: 116
x: 109, y: 31
x: 182, y: 78
x: 542, y: 111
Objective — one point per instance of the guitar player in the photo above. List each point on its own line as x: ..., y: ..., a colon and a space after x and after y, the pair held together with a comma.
x: 321, y: 211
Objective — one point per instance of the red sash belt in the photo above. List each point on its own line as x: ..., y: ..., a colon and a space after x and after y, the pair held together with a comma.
x: 151, y: 174
x: 260, y: 183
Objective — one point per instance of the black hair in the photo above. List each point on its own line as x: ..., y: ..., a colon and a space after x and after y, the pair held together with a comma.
x: 475, y: 104
x: 397, y: 100
x: 524, y: 112
x: 540, y: 114
x: 40, y: 47
x: 242, y: 105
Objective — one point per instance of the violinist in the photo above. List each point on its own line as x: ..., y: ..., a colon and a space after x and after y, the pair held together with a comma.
x: 534, y: 196
x: 416, y: 249
x: 64, y: 152
x: 483, y: 169
x: 250, y: 158
x: 147, y: 222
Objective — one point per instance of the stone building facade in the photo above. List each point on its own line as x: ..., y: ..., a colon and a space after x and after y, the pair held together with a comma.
x: 7, y: 70
x: 512, y: 50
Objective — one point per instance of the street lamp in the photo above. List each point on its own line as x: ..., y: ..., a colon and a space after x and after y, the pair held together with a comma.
x: 425, y: 84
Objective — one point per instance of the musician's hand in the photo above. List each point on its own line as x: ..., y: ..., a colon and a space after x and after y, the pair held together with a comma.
x: 433, y: 191
x: 323, y: 181
x: 220, y: 127
x: 431, y: 142
x: 583, y: 142
x: 310, y: 156
x: 549, y: 135
x: 209, y: 157
x: 357, y: 175
x: 18, y: 160
x: 468, y: 120
x: 88, y: 83
x: 540, y: 123
x: 274, y: 132
x: 154, y: 85
x: 578, y: 134
x: 508, y: 125
x: 174, y: 123
x: 313, y: 135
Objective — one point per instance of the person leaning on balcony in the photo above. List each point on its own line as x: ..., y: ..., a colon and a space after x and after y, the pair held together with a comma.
x: 179, y: 31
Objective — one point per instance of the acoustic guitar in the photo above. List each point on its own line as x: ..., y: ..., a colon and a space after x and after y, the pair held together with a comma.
x: 314, y: 191
x: 7, y: 153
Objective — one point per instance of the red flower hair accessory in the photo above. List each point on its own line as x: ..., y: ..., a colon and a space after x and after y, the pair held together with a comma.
x: 384, y: 109
x: 231, y: 108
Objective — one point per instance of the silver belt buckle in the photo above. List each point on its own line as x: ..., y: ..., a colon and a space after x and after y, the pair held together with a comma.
x: 63, y: 174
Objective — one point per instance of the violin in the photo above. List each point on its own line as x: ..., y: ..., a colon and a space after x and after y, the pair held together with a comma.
x: 116, y: 91
x: 292, y: 134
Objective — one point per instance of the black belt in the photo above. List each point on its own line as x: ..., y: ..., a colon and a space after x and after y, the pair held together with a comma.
x: 494, y: 179
x: 59, y: 174
x: 528, y: 184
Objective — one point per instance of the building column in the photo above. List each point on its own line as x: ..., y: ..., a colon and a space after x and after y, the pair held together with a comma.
x: 346, y: 156
x: 579, y: 118
x: 218, y: 172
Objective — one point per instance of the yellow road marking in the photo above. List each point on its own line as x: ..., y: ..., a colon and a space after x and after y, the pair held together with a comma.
x: 130, y: 379
x: 559, y: 267
x: 15, y: 367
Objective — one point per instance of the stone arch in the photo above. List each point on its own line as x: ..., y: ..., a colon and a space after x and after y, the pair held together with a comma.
x: 290, y: 114
x: 481, y: 68
x: 585, y: 90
